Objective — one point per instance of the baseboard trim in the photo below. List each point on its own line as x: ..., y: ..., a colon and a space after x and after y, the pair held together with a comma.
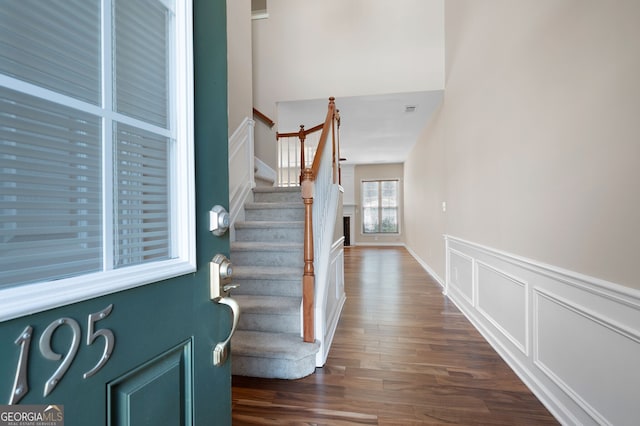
x: 426, y: 266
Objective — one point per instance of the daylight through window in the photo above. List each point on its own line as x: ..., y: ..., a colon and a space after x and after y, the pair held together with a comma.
x: 380, y: 207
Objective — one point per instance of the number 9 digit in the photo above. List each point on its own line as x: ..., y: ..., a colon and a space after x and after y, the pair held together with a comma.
x: 47, y: 352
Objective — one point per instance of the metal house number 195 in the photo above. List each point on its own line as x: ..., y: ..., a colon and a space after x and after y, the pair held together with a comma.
x: 20, y: 384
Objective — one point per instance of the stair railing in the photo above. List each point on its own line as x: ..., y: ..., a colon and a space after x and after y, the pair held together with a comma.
x: 296, y: 151
x: 266, y: 120
x: 316, y: 182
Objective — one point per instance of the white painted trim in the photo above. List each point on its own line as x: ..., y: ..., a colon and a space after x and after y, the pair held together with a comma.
x: 425, y: 266
x: 597, y: 286
x: 523, y: 346
x: 324, y: 250
x: 472, y: 300
x: 33, y: 298
x: 329, y: 320
x: 566, y: 388
x: 241, y: 142
x: 591, y: 316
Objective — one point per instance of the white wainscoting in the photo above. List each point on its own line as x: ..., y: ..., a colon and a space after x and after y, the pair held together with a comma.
x: 241, y: 170
x: 574, y: 340
x: 330, y: 302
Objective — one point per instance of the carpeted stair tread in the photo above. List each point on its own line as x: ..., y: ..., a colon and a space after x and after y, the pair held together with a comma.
x: 262, y: 344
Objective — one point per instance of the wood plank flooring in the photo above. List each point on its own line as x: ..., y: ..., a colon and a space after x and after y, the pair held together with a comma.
x: 402, y: 355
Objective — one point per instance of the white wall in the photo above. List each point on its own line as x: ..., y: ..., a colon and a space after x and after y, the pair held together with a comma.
x: 240, y: 90
x: 535, y: 149
x: 313, y: 50
x: 535, y: 152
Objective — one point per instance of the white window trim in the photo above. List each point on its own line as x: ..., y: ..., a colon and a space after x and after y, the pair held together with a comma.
x: 32, y: 298
x: 381, y: 234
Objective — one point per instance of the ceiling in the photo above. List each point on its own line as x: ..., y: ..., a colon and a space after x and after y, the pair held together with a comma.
x: 375, y: 59
x: 374, y: 128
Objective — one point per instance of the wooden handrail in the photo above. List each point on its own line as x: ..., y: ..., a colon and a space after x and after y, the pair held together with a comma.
x: 302, y: 136
x: 269, y: 122
x: 323, y: 136
x: 294, y: 134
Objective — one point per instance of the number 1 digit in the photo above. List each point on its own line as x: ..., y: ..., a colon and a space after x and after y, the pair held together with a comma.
x: 20, y: 384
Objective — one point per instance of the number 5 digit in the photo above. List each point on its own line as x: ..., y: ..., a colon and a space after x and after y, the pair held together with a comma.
x: 109, y: 339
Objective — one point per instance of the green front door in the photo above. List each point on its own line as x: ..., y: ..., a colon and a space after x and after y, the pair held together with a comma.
x: 141, y: 356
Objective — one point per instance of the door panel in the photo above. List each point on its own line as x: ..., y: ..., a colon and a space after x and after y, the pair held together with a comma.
x: 160, y: 369
x: 131, y: 400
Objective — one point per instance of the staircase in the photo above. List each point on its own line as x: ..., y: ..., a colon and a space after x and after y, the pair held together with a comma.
x: 267, y: 257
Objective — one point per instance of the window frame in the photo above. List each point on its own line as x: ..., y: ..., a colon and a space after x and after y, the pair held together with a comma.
x: 398, y: 207
x: 31, y: 298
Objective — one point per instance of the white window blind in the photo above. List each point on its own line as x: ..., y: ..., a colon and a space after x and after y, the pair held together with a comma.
x: 141, y: 67
x: 88, y: 137
x: 50, y: 199
x: 54, y: 45
x: 141, y: 186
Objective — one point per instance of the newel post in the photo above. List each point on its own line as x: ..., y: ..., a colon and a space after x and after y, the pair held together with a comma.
x: 308, y: 277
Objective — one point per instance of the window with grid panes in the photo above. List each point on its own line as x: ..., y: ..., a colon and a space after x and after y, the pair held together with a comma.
x: 94, y: 139
x: 380, y: 207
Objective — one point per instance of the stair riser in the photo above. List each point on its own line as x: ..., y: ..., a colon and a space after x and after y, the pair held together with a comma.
x: 270, y: 323
x: 290, y: 235
x: 283, y: 214
x: 273, y: 368
x: 269, y: 287
x: 267, y: 258
x: 277, y: 197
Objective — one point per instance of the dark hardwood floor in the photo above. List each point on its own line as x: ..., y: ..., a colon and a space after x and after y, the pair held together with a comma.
x: 402, y: 355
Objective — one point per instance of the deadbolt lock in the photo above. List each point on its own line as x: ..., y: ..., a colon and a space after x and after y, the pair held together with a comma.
x: 218, y: 220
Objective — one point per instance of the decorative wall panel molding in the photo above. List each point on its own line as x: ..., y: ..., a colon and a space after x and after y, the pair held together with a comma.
x: 573, y: 339
x: 503, y: 300
x: 462, y: 275
x: 330, y: 302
